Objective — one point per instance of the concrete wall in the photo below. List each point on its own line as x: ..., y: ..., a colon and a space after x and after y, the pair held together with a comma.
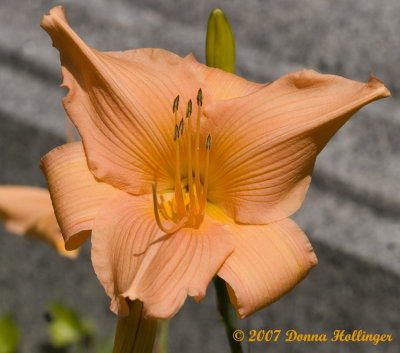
x: 352, y: 210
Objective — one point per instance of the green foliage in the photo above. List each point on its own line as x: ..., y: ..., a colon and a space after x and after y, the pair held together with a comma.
x: 220, y: 44
x: 9, y: 335
x: 66, y: 327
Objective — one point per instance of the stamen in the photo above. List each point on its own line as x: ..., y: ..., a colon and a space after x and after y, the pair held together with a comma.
x: 174, y: 228
x: 189, y: 109
x: 190, y: 171
x: 197, y: 144
x: 186, y: 207
x: 200, y: 97
x: 181, y: 127
x: 175, y: 107
x: 163, y: 210
x: 205, y: 188
x: 208, y: 142
x: 180, y: 204
x: 176, y: 134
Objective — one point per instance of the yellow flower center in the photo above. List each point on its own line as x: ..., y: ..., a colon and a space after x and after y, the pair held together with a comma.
x: 187, y: 208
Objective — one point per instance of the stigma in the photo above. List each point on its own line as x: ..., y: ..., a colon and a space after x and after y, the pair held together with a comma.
x: 188, y: 204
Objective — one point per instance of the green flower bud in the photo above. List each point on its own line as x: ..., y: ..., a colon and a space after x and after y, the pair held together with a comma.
x: 220, y: 44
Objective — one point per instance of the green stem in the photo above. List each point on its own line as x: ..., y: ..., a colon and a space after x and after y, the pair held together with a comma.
x: 162, y: 340
x: 227, y: 313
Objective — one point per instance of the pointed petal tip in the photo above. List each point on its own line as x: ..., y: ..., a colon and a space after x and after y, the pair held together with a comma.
x: 66, y: 41
x: 312, y: 259
x: 190, y: 58
x: 307, y: 78
x: 48, y: 20
x: 377, y: 84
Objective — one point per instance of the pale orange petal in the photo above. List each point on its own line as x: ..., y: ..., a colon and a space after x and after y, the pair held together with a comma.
x: 27, y: 210
x: 77, y: 195
x: 265, y: 144
x: 134, y: 259
x: 121, y: 104
x: 222, y: 84
x: 22, y: 206
x: 48, y: 230
x: 135, y: 334
x: 268, y: 261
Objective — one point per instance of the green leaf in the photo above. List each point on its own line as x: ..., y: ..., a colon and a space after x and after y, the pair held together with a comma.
x: 66, y: 327
x: 220, y: 44
x: 9, y: 335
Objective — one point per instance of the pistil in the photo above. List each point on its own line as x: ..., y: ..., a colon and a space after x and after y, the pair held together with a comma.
x: 197, y: 142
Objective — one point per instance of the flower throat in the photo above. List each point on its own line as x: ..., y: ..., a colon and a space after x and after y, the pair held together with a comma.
x: 187, y: 209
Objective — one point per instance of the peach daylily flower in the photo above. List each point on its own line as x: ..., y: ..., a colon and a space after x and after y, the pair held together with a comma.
x: 27, y: 210
x: 186, y: 171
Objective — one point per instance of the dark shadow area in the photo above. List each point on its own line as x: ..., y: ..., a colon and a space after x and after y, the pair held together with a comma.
x: 18, y: 62
x: 47, y: 348
x: 22, y: 146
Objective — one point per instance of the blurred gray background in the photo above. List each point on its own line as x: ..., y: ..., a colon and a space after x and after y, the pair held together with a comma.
x: 351, y: 213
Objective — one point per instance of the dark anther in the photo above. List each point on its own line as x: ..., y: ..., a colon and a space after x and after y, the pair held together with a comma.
x: 208, y: 143
x: 181, y: 127
x: 176, y: 104
x: 200, y: 97
x: 189, y: 108
x: 176, y: 132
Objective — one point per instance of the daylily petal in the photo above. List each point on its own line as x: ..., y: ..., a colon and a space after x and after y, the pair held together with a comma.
x: 268, y: 261
x: 135, y: 334
x: 48, y: 230
x: 76, y: 194
x: 265, y: 144
x: 134, y: 259
x: 28, y: 211
x: 121, y: 104
x: 22, y: 206
x: 224, y: 85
